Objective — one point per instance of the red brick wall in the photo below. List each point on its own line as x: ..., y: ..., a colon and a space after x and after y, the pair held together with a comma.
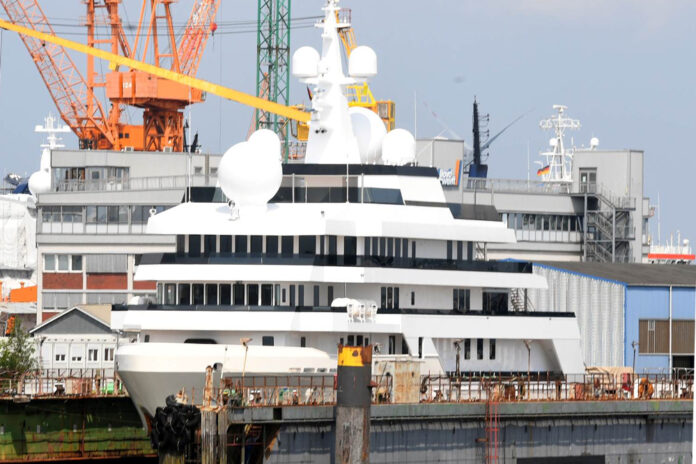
x: 107, y: 281
x: 62, y: 280
x: 144, y: 285
x: 45, y: 315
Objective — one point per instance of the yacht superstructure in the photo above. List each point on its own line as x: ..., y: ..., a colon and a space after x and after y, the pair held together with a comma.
x: 356, y: 246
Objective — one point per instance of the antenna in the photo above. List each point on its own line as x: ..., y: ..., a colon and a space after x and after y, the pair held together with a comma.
x: 51, y: 129
x: 559, y: 159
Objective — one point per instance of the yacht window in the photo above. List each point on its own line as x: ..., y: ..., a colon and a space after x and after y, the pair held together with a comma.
x: 307, y: 245
x: 413, y: 250
x: 351, y: 340
x: 225, y: 245
x: 287, y: 243
x: 383, y: 297
x: 333, y: 247
x: 420, y: 347
x: 303, y: 342
x: 350, y: 249
x: 170, y: 294
x: 284, y: 299
x: 460, y: 299
x: 330, y: 295
x: 367, y: 341
x: 240, y: 245
x: 211, y: 294
x: 404, y: 346
x: 147, y: 340
x: 225, y: 294
x: 396, y: 297
x: 479, y: 348
x: 210, y: 245
x: 392, y: 344
x: 194, y: 245
x: 340, y: 341
x: 382, y: 246
x: 322, y: 245
x: 266, y: 294
x: 460, y: 250
x: 256, y: 245
x: 238, y: 294
x: 390, y: 300
x: 449, y: 250
x: 267, y: 340
x: 390, y: 246
x: 184, y: 294
x: 375, y: 246
x: 467, y: 348
x: 292, y: 295
x: 253, y: 294
x: 198, y: 294
x: 413, y: 298
x: 404, y: 250
x: 367, y: 247
x: 300, y: 295
x: 397, y: 248
x: 272, y: 245
x: 359, y: 340
x: 469, y: 250
x: 276, y: 294
x: 180, y: 245
x: 316, y: 295
x: 160, y: 293
x: 491, y: 348
x: 200, y: 341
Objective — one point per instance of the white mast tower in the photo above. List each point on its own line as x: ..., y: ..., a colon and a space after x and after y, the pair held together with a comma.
x: 559, y: 159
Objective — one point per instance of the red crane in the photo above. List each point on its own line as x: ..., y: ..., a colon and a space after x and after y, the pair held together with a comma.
x: 161, y: 100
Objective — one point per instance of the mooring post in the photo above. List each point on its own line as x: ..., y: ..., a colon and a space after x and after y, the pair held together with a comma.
x: 353, y: 399
x: 209, y: 426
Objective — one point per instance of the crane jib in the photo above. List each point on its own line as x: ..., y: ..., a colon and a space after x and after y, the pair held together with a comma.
x: 200, y: 84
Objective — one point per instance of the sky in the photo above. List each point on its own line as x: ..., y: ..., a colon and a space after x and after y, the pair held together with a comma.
x: 625, y: 68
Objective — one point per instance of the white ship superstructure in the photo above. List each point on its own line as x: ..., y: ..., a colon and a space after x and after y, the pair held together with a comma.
x: 357, y: 247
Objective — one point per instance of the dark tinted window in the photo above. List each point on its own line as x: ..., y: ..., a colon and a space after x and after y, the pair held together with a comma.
x: 382, y: 246
x: 330, y: 295
x: 194, y: 245
x: 316, y: 295
x: 240, y: 245
x: 225, y: 294
x: 292, y: 295
x: 272, y: 245
x: 367, y: 246
x: 307, y: 245
x: 225, y: 245
x: 333, y: 247
x: 397, y: 248
x: 390, y: 246
x: 404, y: 248
x: 238, y: 290
x: 449, y: 250
x: 375, y: 246
x: 211, y: 296
x: 253, y: 294
x: 266, y: 294
x: 198, y: 294
x: 287, y: 242
x: 300, y: 295
x: 256, y: 245
x: 460, y: 250
x: 267, y: 340
x: 350, y: 249
x: 184, y: 294
x: 209, y: 245
x: 479, y: 348
x: 180, y: 243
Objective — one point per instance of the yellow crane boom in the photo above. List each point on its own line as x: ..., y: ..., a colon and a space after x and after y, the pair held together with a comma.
x: 193, y: 82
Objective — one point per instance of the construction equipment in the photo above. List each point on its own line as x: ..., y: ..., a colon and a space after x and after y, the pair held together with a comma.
x: 175, y: 77
x: 161, y: 99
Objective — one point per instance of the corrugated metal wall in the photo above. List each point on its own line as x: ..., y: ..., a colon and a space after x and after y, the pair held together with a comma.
x: 598, y: 305
x: 107, y: 263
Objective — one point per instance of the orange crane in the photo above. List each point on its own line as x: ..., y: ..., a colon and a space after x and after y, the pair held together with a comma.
x: 162, y: 100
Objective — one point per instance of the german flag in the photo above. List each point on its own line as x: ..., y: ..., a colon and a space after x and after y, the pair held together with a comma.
x: 543, y: 171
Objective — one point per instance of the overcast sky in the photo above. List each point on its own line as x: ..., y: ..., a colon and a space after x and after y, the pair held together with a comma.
x: 625, y: 68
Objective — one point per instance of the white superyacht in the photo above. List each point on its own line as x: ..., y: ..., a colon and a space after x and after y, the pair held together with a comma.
x: 357, y: 246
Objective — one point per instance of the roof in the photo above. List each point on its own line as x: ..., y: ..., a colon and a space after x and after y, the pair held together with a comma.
x: 73, y: 321
x: 678, y: 275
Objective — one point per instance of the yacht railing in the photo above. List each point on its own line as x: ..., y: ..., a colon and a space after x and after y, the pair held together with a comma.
x: 62, y: 383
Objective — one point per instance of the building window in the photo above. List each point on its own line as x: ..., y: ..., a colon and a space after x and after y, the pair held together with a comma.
x: 467, y: 348
x: 479, y: 348
x: 60, y: 357
x: 92, y: 354
x: 267, y: 340
x: 491, y: 348
x: 63, y: 263
x: 108, y: 354
x: 460, y: 299
x: 76, y: 359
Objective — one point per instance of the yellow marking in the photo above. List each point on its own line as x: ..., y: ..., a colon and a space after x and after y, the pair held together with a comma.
x: 200, y: 84
x: 350, y: 356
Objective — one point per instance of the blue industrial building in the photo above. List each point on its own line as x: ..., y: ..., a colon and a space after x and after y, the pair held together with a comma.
x: 639, y: 315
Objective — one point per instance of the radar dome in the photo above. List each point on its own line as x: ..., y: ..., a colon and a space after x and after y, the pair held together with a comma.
x: 553, y: 142
x: 362, y: 62
x: 398, y: 148
x: 305, y: 62
x: 250, y: 172
x: 39, y: 182
x: 594, y: 142
x: 369, y: 130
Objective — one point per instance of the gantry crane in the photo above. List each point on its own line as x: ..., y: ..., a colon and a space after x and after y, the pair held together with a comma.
x: 162, y: 100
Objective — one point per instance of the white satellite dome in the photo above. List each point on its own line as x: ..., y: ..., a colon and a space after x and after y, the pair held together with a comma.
x: 250, y: 172
x: 39, y: 182
x: 398, y: 148
x: 594, y: 142
x: 362, y: 62
x: 553, y: 142
x: 305, y: 62
x: 369, y: 130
